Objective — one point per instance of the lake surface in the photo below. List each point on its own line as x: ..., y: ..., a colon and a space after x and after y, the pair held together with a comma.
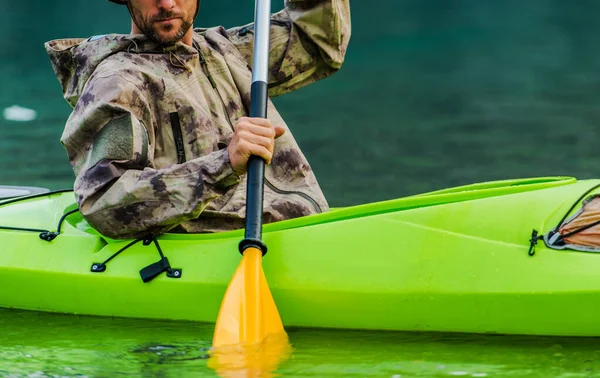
x: 433, y: 94
x: 49, y: 345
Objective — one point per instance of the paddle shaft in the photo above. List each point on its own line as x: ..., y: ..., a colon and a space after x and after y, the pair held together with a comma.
x: 248, y: 312
x: 258, y: 108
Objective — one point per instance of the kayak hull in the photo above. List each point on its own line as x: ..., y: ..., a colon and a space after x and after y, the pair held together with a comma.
x: 453, y: 261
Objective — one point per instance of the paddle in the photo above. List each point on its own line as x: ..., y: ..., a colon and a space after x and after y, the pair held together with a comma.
x: 248, y: 313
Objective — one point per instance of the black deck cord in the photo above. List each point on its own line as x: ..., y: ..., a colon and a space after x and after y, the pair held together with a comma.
x: 148, y: 273
x: 22, y: 229
x: 49, y: 236
x: 101, y: 267
x: 44, y: 234
x: 151, y: 271
x: 535, y: 237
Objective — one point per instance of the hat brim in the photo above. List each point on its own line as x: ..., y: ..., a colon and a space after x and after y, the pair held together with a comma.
x: 121, y: 2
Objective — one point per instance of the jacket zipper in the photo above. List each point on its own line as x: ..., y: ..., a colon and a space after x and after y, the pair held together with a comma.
x: 177, y: 135
x: 213, y: 84
x: 303, y: 195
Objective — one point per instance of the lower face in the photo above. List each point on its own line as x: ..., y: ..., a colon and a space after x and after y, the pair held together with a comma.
x: 165, y: 26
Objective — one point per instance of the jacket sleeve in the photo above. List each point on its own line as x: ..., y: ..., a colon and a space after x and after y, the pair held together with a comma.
x: 308, y: 42
x: 118, y: 190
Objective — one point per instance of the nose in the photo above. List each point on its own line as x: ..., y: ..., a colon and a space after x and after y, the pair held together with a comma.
x: 166, y: 4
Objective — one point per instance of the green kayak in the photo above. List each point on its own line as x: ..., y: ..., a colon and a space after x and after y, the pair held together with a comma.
x: 455, y: 260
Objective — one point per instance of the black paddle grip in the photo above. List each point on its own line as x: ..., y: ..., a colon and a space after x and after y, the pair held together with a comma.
x: 256, y: 170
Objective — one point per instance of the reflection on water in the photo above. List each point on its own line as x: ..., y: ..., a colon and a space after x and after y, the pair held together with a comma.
x: 49, y: 345
x: 251, y: 361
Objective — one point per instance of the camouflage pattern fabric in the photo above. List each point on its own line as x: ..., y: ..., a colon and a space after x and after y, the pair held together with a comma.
x: 148, y: 135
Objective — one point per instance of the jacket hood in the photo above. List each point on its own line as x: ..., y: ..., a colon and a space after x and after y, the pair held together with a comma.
x: 74, y: 60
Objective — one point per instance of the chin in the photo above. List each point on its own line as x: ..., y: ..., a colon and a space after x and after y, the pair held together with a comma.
x: 167, y: 37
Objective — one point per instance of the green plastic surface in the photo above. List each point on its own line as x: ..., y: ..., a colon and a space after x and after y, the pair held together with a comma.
x: 450, y: 260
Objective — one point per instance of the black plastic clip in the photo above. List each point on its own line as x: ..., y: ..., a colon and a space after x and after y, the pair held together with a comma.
x: 153, y: 270
x: 533, y: 242
x: 48, y: 235
x: 98, y: 268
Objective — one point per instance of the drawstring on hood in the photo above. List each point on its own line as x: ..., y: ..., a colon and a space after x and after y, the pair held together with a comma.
x: 179, y: 63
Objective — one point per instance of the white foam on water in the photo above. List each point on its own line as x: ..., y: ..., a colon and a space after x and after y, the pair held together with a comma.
x: 19, y: 114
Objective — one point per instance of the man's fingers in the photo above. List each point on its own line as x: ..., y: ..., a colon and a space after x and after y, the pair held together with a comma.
x: 261, y: 122
x: 268, y: 132
x: 256, y: 121
x: 260, y: 126
x: 257, y: 139
x: 258, y: 150
x: 253, y: 136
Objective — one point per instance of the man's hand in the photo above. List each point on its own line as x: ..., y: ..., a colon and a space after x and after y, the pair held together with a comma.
x: 252, y: 136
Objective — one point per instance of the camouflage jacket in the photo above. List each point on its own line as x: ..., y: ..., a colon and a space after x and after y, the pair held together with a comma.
x: 148, y: 133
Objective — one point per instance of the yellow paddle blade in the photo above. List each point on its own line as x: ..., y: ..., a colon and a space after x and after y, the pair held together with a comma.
x: 248, y: 313
x: 254, y: 361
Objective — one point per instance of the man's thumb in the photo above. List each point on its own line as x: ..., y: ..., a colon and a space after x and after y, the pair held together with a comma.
x: 279, y: 131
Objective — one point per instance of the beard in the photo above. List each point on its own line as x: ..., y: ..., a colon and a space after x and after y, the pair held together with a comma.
x: 159, y: 34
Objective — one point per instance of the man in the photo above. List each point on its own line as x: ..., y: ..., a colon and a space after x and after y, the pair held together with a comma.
x: 159, y: 136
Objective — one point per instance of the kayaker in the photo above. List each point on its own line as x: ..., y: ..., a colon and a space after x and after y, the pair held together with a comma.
x: 158, y: 137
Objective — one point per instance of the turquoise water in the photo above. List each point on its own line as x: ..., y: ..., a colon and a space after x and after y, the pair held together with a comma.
x: 433, y: 94
x: 49, y: 345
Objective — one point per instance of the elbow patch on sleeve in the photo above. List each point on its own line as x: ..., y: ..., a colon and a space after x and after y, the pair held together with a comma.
x: 122, y: 138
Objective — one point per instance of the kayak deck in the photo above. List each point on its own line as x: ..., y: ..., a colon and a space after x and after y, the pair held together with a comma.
x: 451, y: 260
